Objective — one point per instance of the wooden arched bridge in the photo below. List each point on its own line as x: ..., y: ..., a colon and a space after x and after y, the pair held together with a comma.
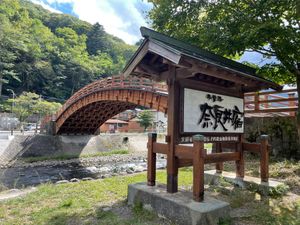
x: 97, y: 102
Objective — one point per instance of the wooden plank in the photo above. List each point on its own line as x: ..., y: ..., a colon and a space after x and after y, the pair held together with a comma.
x: 184, y: 152
x: 221, y: 157
x: 185, y: 162
x: 160, y: 148
x: 228, y: 145
x: 251, y: 147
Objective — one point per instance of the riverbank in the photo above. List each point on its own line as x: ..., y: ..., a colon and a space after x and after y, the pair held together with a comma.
x: 22, y: 174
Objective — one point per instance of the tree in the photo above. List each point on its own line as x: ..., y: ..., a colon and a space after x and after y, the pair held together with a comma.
x: 30, y: 103
x: 96, y: 40
x: 47, y: 53
x: 7, y: 56
x: 233, y: 27
x: 145, y: 119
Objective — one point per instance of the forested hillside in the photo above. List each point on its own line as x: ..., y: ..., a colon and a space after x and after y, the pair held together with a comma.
x: 53, y: 54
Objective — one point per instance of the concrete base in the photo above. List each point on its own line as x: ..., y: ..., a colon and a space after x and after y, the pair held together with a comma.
x: 252, y: 183
x: 178, y: 207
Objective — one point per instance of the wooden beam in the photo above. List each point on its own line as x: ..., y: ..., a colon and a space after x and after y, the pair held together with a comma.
x: 165, y: 53
x: 218, y: 72
x: 221, y: 157
x: 149, y: 69
x: 251, y: 147
x: 210, y: 88
x: 185, y: 162
x: 160, y: 148
x: 184, y: 73
x: 184, y: 152
x: 143, y: 51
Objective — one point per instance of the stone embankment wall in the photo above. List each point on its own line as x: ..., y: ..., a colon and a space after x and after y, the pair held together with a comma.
x: 47, y: 145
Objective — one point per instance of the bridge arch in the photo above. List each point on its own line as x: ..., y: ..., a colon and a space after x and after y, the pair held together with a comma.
x: 97, y: 102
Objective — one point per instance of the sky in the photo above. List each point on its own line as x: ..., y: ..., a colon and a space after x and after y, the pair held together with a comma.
x: 121, y: 18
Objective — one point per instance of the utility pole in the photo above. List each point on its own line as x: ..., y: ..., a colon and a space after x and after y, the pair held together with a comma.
x: 12, y: 106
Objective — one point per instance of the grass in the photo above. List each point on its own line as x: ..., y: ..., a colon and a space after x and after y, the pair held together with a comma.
x: 72, y: 156
x: 85, y: 202
x: 77, y: 203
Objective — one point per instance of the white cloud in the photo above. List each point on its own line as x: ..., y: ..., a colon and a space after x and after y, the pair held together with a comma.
x: 45, y: 6
x: 120, y: 18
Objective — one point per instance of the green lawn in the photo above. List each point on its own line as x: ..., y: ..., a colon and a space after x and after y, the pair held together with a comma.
x: 85, y: 203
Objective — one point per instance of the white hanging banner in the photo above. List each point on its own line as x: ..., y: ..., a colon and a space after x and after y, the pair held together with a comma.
x: 206, y: 112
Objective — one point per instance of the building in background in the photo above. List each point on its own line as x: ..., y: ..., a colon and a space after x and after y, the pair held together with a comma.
x: 128, y: 121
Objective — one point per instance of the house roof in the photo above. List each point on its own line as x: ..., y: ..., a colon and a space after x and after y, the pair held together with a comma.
x: 115, y: 121
x: 158, y: 50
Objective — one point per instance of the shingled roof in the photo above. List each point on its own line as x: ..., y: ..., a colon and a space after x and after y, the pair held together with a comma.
x: 158, y: 50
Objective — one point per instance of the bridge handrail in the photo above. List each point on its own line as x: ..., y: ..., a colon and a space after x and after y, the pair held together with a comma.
x: 283, y: 102
x: 114, y: 82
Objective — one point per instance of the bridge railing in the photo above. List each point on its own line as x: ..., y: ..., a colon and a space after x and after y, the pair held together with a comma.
x: 271, y: 103
x: 115, y: 82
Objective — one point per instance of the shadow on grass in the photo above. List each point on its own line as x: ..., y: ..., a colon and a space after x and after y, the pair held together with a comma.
x: 117, y: 214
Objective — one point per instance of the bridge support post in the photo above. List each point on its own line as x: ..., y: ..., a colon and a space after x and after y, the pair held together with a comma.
x: 173, y: 130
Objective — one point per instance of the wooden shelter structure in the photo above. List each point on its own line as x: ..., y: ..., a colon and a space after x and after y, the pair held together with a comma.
x: 194, y: 76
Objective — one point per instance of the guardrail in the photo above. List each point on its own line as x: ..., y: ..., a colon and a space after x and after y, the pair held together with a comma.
x: 282, y: 103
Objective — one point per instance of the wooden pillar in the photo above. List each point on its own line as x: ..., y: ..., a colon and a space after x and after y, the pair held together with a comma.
x: 173, y: 130
x: 292, y: 104
x: 240, y: 164
x: 151, y: 161
x: 256, y: 102
x: 219, y: 166
x: 264, y: 158
x: 198, y: 168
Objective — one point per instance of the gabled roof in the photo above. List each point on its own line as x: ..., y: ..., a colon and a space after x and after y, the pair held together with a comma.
x: 156, y: 45
x: 193, y: 51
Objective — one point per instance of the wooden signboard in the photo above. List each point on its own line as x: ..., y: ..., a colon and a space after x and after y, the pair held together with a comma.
x: 205, y: 112
x: 218, y: 117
